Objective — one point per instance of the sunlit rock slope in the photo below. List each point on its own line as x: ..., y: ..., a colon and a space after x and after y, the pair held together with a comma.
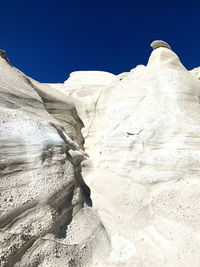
x: 102, y: 170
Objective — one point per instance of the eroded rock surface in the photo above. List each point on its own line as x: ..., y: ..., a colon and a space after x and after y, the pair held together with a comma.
x: 42, y: 190
x: 143, y: 140
x: 159, y: 43
x: 196, y: 72
x: 131, y: 140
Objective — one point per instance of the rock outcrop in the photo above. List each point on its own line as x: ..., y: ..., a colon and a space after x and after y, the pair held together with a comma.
x: 41, y: 184
x: 159, y: 43
x: 102, y: 170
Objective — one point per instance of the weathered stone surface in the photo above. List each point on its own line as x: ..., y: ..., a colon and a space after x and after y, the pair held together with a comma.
x: 140, y: 132
x: 143, y: 140
x: 159, y: 43
x: 196, y: 72
x: 41, y: 187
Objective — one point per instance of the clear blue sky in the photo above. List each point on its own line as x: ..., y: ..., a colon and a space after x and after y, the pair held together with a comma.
x: 49, y: 39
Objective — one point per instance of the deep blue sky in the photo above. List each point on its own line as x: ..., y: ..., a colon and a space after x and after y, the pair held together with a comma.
x: 49, y: 39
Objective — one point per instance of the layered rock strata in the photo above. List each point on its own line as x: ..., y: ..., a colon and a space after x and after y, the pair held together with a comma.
x: 42, y: 189
x: 102, y: 170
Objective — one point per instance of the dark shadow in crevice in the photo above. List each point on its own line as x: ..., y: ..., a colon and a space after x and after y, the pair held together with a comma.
x: 83, y: 186
x: 62, y: 204
x: 85, y: 190
x: 19, y: 253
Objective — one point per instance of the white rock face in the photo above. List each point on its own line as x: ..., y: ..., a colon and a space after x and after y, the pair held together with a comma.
x: 89, y: 78
x: 142, y: 138
x: 196, y: 72
x: 41, y: 184
x: 141, y: 135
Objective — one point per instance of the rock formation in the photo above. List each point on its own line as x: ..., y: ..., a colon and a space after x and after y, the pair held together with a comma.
x: 102, y: 170
x: 159, y: 43
x: 41, y: 184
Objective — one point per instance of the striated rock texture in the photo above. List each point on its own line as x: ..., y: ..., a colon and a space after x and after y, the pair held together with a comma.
x: 42, y: 189
x: 102, y: 170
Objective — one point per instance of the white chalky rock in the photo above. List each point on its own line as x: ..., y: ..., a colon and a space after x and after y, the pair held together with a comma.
x: 136, y: 144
